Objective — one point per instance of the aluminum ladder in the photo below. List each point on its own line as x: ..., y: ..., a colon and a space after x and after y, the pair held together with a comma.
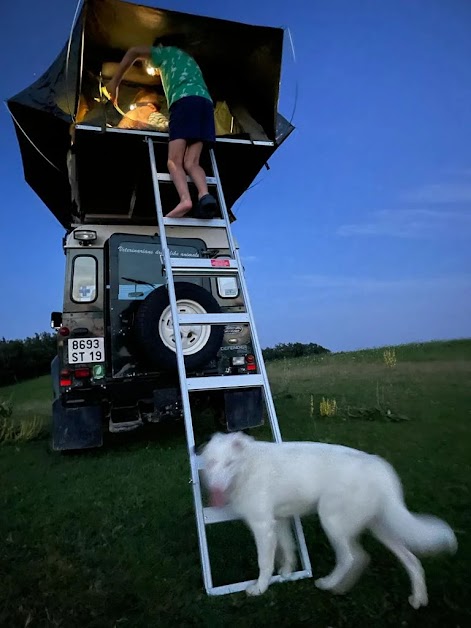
x: 213, y: 267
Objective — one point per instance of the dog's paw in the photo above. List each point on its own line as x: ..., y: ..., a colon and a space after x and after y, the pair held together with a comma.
x: 255, y: 589
x: 339, y: 589
x: 326, y: 584
x: 418, y: 600
x: 285, y: 570
x: 323, y: 583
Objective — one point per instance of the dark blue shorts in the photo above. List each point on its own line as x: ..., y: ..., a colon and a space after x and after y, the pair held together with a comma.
x: 192, y: 119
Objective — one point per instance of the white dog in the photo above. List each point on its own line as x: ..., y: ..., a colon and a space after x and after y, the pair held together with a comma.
x: 267, y: 483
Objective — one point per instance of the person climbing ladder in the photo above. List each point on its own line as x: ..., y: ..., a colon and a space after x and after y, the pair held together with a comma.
x: 191, y: 123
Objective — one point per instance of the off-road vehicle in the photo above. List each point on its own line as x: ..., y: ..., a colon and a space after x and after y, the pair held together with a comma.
x: 116, y: 363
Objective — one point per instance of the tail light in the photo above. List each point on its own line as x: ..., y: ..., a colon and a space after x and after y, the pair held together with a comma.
x: 251, y: 366
x: 82, y: 372
x: 65, y: 378
x: 64, y: 331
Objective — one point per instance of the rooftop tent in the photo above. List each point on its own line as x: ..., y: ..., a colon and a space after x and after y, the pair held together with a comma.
x: 241, y: 64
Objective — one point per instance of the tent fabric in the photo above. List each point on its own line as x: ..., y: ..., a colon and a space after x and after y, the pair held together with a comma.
x: 241, y: 64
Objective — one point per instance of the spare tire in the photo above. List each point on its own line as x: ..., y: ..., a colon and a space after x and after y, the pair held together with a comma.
x: 153, y: 328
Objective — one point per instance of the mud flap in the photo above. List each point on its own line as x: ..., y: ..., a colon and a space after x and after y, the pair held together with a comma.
x: 243, y: 408
x: 55, y: 375
x: 79, y: 427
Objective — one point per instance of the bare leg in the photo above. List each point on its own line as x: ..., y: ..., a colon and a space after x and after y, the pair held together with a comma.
x: 176, y: 152
x: 285, y: 547
x: 265, y: 540
x: 412, y: 565
x: 191, y: 164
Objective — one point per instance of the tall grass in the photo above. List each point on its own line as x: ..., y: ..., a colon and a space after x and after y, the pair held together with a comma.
x: 18, y: 429
x: 25, y: 410
x: 22, y: 432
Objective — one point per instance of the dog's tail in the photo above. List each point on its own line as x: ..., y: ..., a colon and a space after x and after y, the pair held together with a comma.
x: 422, y: 534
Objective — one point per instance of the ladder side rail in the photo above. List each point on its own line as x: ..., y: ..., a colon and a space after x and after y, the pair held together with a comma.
x: 256, y: 344
x: 275, y: 428
x: 198, y: 501
x: 259, y: 355
x: 222, y: 203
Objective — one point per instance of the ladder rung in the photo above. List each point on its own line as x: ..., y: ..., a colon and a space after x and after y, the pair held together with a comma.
x: 237, y: 587
x: 214, y: 514
x: 195, y: 222
x: 164, y: 176
x: 224, y: 381
x: 213, y: 319
x: 199, y: 266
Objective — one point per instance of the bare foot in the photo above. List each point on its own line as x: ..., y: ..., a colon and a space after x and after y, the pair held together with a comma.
x: 180, y: 210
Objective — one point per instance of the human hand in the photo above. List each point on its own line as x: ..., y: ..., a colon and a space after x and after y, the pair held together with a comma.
x: 111, y: 91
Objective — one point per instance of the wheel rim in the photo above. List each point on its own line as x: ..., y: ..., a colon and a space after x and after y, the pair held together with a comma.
x: 194, y: 337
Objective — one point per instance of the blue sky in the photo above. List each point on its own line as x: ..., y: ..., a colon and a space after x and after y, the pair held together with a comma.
x: 359, y: 235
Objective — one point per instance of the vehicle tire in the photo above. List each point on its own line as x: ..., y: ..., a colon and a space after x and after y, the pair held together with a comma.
x: 154, y: 334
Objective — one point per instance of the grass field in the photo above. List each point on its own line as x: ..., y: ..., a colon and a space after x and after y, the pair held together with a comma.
x: 108, y: 538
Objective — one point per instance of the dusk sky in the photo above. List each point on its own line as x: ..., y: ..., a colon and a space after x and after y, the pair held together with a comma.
x: 359, y: 234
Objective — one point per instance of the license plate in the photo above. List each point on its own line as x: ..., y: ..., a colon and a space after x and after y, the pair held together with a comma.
x: 86, y: 350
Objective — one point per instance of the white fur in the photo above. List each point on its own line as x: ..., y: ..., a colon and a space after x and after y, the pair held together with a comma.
x: 352, y: 491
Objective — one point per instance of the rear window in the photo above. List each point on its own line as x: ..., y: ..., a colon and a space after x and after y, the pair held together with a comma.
x: 84, y: 279
x: 140, y: 266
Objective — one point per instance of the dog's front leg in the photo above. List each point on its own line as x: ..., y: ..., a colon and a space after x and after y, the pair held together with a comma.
x: 265, y: 540
x: 285, y: 547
